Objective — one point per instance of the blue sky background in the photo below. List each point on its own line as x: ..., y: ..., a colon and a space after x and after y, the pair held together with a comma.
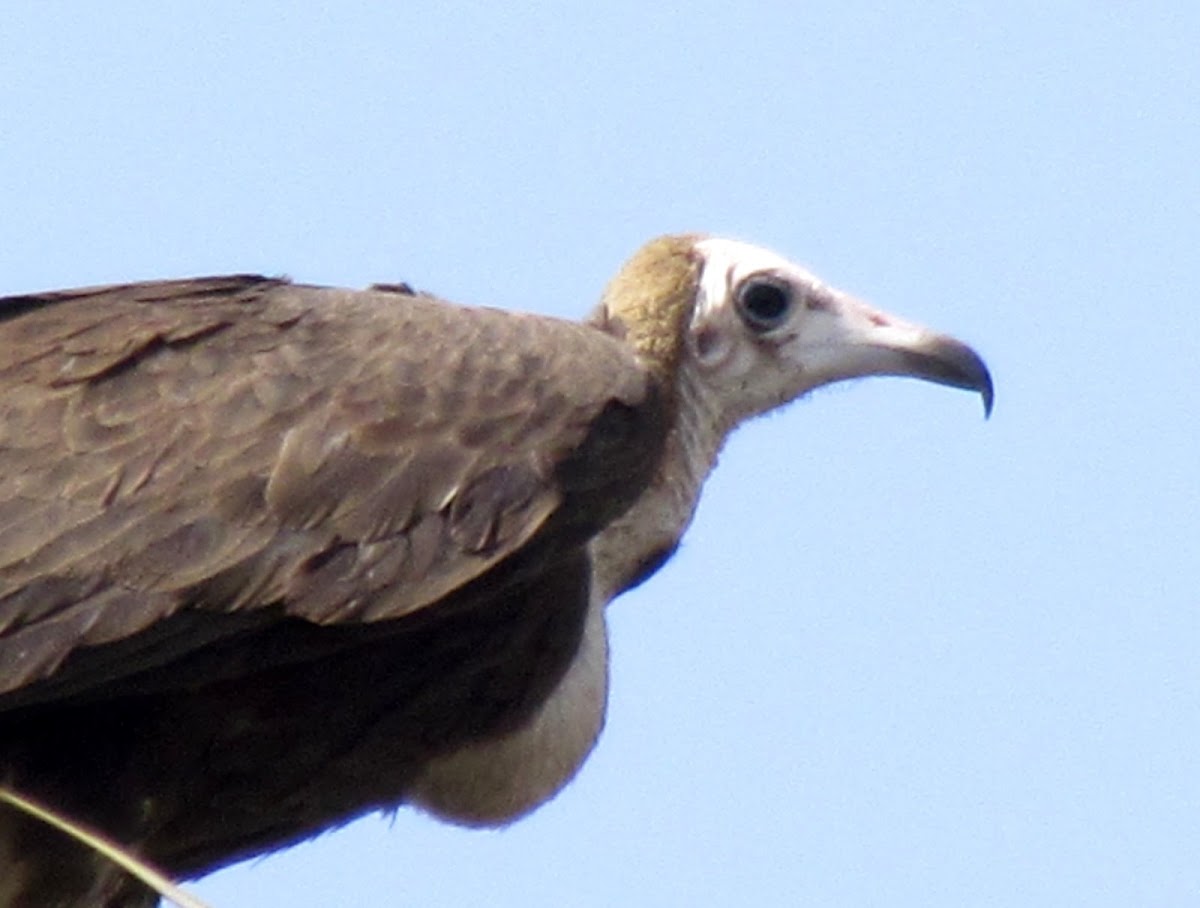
x: 905, y: 656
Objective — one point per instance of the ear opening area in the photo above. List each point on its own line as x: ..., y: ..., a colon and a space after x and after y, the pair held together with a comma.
x: 710, y: 339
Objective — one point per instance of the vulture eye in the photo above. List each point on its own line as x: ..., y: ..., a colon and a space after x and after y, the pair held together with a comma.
x: 764, y: 302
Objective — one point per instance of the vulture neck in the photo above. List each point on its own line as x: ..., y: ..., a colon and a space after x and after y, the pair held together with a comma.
x: 631, y: 548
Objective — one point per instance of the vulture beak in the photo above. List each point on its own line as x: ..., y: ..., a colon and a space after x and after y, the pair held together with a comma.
x: 846, y: 338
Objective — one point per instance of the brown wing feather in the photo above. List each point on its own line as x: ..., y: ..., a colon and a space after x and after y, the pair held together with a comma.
x: 222, y: 445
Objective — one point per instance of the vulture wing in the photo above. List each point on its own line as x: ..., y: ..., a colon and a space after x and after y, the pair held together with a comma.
x: 186, y: 462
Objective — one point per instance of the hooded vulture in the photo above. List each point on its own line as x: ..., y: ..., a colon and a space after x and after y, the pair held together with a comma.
x: 273, y: 556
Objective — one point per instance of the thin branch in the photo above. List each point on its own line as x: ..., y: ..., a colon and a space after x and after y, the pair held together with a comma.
x: 153, y: 878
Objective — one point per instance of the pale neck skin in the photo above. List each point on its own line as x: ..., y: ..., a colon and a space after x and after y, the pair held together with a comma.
x: 662, y: 514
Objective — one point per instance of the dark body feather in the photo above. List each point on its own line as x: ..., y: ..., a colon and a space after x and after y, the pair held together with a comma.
x: 266, y: 548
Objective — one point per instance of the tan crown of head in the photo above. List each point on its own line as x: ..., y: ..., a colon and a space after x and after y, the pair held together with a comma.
x: 651, y: 298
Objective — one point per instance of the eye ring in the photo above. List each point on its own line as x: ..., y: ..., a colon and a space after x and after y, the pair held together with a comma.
x: 764, y: 302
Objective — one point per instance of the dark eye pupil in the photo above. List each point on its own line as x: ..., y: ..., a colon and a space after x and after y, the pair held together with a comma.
x: 764, y: 304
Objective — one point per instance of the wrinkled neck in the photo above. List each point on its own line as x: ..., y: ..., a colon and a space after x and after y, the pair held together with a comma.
x: 646, y: 535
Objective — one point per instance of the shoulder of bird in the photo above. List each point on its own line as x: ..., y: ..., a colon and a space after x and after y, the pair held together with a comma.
x: 240, y: 442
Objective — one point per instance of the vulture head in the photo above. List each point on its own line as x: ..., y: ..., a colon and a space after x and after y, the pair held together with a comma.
x: 754, y: 331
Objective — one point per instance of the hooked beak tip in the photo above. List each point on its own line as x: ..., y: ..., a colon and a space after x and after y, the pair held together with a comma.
x: 947, y: 361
